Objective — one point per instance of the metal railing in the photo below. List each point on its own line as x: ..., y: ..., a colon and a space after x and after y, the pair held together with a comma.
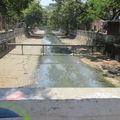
x: 52, y: 45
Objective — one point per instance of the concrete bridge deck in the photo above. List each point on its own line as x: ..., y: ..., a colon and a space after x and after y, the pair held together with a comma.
x: 69, y: 104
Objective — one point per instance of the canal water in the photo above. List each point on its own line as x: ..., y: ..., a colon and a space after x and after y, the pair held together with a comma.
x: 56, y: 69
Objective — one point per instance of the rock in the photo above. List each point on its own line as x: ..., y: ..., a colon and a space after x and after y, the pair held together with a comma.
x: 99, y: 67
x: 104, y: 67
x: 105, y: 72
x: 113, y: 71
x: 110, y: 75
x: 108, y: 59
x: 118, y: 74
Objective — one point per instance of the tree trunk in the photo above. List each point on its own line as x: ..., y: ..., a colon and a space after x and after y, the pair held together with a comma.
x: 5, y: 27
x: 67, y: 29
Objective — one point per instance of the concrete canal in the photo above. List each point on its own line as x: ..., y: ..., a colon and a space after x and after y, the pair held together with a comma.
x: 56, y: 69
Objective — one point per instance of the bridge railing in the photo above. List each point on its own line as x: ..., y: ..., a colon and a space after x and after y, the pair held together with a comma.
x: 62, y: 46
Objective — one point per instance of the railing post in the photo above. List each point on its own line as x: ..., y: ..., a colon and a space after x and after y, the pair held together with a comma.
x: 92, y: 49
x: 43, y: 50
x: 73, y: 47
x: 73, y: 51
x: 22, y: 49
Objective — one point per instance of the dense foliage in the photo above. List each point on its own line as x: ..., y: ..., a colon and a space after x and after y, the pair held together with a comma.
x: 63, y: 14
x: 33, y: 15
x: 18, y: 11
x: 10, y: 7
x: 11, y: 11
x: 68, y: 14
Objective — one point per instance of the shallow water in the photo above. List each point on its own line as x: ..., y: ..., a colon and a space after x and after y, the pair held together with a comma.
x: 59, y: 70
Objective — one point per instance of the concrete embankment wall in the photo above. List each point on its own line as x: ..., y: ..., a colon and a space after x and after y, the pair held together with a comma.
x: 83, y: 37
x: 15, y: 36
x: 20, y: 38
x: 80, y: 105
x: 110, y: 44
x: 91, y: 37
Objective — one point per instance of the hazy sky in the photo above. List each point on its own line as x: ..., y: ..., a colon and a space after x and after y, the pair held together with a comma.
x: 46, y: 2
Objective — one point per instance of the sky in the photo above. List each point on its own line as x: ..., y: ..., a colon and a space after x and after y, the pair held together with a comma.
x: 46, y: 2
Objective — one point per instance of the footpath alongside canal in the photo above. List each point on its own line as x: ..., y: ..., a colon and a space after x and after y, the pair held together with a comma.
x: 15, y: 69
x: 109, y: 68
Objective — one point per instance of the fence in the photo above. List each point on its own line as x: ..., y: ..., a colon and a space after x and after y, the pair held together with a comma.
x: 7, y: 36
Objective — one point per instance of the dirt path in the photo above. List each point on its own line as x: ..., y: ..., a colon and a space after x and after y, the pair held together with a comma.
x: 109, y: 68
x: 16, y: 70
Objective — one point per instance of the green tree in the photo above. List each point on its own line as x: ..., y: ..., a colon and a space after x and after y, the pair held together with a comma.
x: 3, y: 8
x: 65, y: 15
x: 68, y: 14
x: 45, y: 14
x: 11, y: 10
x: 94, y: 10
x: 100, y: 9
x: 33, y: 15
x: 7, y: 7
x: 115, y: 8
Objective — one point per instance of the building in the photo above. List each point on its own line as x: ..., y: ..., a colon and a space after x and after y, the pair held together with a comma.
x: 98, y: 25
